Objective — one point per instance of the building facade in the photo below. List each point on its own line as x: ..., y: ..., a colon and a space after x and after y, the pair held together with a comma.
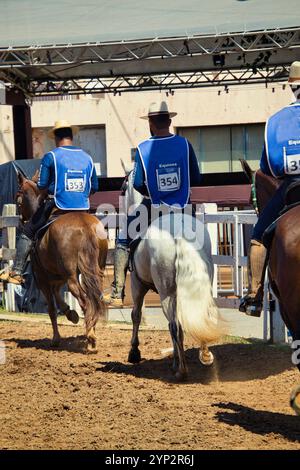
x: 223, y: 125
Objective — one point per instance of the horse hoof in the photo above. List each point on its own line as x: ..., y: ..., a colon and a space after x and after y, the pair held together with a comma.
x: 295, y: 400
x: 207, y: 359
x: 180, y: 376
x: 134, y: 356
x: 72, y: 316
x: 91, y: 349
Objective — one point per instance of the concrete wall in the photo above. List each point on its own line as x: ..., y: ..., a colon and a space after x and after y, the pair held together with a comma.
x: 124, y: 129
x: 7, y: 147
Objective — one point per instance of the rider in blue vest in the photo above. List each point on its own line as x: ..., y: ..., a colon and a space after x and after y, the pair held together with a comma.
x: 280, y: 159
x: 165, y: 169
x: 67, y: 177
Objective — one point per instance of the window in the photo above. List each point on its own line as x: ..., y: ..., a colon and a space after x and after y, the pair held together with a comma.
x: 219, y: 148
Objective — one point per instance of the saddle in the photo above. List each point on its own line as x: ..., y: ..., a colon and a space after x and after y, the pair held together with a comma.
x: 292, y: 199
x: 55, y: 214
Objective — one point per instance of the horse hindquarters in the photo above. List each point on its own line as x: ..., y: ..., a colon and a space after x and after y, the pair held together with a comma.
x: 89, y: 291
x: 284, y: 267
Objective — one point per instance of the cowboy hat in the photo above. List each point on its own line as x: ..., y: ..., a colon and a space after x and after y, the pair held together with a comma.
x: 62, y: 124
x: 156, y: 109
x: 294, y: 76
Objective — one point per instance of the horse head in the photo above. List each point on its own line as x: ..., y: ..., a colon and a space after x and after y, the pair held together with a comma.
x: 27, y: 197
x: 262, y: 186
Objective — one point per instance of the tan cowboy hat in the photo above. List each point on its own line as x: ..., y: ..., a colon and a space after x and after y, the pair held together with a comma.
x: 61, y: 125
x: 294, y: 77
x: 155, y: 109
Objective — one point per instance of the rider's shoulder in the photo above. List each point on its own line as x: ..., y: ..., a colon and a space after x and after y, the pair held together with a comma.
x: 283, y: 111
x: 48, y: 157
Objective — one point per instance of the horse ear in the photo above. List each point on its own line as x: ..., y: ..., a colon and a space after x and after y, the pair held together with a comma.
x: 247, y: 169
x: 21, y: 179
x: 36, y: 175
x: 126, y: 169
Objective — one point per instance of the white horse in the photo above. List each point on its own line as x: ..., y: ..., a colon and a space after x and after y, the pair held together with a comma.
x: 182, y: 276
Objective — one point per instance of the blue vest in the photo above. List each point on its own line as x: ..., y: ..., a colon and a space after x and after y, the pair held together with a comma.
x: 166, y: 165
x: 282, y: 141
x: 73, y: 172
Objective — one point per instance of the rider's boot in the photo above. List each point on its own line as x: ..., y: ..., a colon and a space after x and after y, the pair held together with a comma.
x: 23, y: 247
x: 252, y: 303
x: 115, y: 298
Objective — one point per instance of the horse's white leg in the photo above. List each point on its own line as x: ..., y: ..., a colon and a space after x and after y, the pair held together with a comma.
x: 179, y: 363
x: 138, y: 293
x: 206, y: 356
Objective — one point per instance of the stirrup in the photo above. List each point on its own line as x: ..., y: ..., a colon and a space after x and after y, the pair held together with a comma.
x: 15, y: 278
x: 250, y: 306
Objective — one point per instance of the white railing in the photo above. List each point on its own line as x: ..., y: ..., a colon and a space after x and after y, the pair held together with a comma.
x: 237, y: 261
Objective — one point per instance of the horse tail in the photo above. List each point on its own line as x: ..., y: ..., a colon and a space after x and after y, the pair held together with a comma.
x: 196, y: 310
x: 92, y: 279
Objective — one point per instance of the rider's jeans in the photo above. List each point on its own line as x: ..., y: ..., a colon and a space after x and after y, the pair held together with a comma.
x: 273, y: 208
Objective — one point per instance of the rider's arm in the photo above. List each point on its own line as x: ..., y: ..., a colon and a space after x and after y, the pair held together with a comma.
x: 139, y: 176
x: 264, y: 164
x: 46, y: 171
x: 94, y: 182
x: 195, y: 175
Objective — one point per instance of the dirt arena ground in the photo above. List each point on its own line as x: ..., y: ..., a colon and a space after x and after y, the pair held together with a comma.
x: 64, y: 399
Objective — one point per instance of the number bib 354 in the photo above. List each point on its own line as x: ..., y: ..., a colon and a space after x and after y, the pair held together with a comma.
x: 168, y: 179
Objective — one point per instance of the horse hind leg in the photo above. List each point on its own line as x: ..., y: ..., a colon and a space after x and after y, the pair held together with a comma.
x: 179, y: 364
x: 77, y: 291
x: 49, y: 295
x: 138, y: 293
x: 176, y: 331
x: 64, y: 308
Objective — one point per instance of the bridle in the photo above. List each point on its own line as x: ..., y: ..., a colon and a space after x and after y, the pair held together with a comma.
x: 19, y: 201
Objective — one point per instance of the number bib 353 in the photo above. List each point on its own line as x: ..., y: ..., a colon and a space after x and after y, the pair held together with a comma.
x: 168, y: 179
x: 292, y: 160
x: 75, y: 182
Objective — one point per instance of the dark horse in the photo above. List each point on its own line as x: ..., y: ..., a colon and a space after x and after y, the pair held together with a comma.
x: 284, y: 252
x: 283, y: 259
x: 75, y: 243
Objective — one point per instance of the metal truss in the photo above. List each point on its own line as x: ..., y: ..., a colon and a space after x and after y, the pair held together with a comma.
x: 159, y: 63
x: 167, y: 82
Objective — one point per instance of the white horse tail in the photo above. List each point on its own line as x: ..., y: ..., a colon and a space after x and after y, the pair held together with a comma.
x: 196, y: 310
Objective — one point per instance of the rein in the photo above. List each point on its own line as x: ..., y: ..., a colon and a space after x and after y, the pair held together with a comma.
x: 253, y: 193
x: 124, y: 185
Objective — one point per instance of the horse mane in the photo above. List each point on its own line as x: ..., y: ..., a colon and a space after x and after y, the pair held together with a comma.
x: 265, y: 185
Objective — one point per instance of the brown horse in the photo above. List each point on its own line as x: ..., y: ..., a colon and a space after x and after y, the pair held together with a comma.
x: 284, y: 259
x: 75, y: 243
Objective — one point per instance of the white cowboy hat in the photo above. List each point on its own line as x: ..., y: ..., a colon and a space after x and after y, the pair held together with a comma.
x: 155, y: 109
x: 294, y: 77
x: 61, y: 125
